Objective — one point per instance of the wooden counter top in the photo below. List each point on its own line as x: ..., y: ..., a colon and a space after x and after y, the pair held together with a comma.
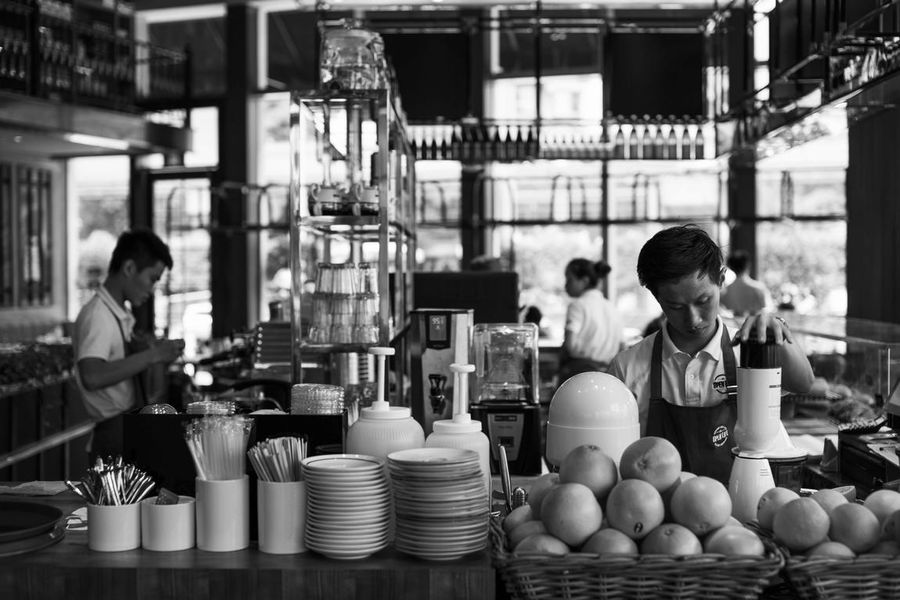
x: 70, y: 570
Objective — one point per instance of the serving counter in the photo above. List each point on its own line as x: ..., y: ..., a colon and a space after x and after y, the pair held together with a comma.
x: 68, y: 569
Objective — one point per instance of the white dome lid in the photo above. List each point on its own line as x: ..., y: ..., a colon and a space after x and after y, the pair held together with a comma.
x: 593, y: 400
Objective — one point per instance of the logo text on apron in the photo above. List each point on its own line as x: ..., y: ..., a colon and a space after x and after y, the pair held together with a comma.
x: 720, y: 384
x: 720, y: 436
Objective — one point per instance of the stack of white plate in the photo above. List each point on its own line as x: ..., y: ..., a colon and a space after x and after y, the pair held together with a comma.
x: 440, y: 503
x: 348, y: 505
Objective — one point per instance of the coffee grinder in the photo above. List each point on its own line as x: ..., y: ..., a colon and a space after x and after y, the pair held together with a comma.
x: 438, y: 338
x: 505, y: 393
x: 764, y: 455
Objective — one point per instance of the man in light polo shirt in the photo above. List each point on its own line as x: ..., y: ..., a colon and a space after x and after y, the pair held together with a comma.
x: 108, y: 365
x: 683, y: 376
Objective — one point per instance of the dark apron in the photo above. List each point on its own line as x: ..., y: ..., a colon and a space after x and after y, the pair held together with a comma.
x: 701, y: 433
x: 108, y: 435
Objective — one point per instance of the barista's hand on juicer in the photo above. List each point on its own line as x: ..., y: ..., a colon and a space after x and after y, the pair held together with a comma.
x: 796, y: 372
x: 759, y: 325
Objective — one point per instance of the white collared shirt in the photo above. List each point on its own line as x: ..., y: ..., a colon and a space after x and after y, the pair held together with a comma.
x: 98, y: 333
x: 593, y: 327
x: 686, y: 380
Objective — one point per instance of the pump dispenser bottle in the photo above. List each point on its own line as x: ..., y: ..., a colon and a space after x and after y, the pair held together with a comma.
x: 461, y: 431
x: 382, y: 428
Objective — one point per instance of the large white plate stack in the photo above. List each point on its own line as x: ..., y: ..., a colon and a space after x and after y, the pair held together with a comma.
x: 441, y: 506
x: 348, y: 505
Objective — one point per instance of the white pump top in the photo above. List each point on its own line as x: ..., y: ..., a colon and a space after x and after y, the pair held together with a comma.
x: 462, y: 421
x: 380, y: 408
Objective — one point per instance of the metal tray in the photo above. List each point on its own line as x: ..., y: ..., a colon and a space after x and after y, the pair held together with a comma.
x: 20, y: 520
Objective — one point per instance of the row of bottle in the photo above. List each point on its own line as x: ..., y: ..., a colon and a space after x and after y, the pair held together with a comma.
x: 88, y: 59
x: 631, y: 139
x: 474, y: 142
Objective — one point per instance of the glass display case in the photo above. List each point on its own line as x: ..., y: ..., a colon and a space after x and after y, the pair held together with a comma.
x: 856, y: 363
x: 352, y: 230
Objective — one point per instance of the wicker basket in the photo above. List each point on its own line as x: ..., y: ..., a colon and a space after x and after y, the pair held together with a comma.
x: 874, y: 577
x: 586, y: 576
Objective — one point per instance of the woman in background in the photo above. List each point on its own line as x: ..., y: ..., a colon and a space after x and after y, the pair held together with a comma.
x: 594, y: 332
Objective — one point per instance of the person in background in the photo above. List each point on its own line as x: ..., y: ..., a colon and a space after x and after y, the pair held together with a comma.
x: 109, y: 357
x: 684, y: 376
x: 594, y: 332
x: 745, y: 295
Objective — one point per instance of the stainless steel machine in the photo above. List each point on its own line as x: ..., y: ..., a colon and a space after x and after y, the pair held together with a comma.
x: 439, y: 337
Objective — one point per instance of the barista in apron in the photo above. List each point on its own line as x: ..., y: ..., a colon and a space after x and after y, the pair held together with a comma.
x: 702, y: 434
x: 108, y: 435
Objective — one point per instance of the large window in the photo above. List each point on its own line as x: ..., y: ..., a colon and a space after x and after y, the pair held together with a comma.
x: 98, y: 213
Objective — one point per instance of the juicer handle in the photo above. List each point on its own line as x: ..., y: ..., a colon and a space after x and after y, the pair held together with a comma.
x: 461, y: 387
x: 380, y: 352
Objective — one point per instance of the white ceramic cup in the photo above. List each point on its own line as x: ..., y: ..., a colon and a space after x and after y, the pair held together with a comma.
x: 223, y: 514
x: 281, y: 516
x: 114, y: 528
x: 167, y: 527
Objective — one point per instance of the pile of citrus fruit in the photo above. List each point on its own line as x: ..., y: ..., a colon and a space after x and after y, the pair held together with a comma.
x: 646, y: 505
x: 826, y: 523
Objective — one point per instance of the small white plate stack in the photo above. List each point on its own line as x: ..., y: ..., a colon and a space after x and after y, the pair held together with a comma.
x: 440, y: 503
x: 348, y: 505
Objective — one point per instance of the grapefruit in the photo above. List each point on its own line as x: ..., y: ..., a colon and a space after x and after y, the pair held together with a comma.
x: 890, y: 529
x: 855, y: 526
x: 653, y: 459
x: 672, y: 539
x: 634, y: 507
x: 667, y: 495
x: 517, y: 516
x: 522, y: 531
x: 889, y: 547
x: 770, y: 502
x: 539, y: 489
x: 542, y: 543
x: 701, y: 504
x: 610, y: 541
x: 734, y: 541
x: 831, y: 549
x: 571, y: 512
x: 829, y: 499
x: 589, y: 465
x: 883, y: 503
x: 801, y: 524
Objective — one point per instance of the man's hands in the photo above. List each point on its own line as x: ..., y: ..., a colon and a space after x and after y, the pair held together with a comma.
x: 166, y: 351
x: 759, y: 325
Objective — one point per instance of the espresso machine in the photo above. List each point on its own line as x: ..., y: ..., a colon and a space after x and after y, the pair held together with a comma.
x: 505, y: 393
x: 439, y: 337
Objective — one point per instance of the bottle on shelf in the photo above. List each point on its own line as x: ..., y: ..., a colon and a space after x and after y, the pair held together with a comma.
x: 647, y: 146
x: 699, y: 142
x: 618, y: 141
x: 456, y: 143
x: 686, y: 143
x: 634, y: 139
x: 659, y: 138
x: 671, y: 148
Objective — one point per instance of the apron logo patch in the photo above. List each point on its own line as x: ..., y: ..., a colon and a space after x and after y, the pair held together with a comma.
x: 720, y: 436
x: 720, y: 384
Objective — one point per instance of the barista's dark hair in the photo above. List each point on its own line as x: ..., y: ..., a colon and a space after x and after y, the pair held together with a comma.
x: 677, y: 252
x: 142, y: 246
x: 738, y: 261
x: 594, y: 271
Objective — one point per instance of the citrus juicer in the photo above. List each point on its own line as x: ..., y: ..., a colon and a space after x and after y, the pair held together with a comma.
x: 382, y: 428
x: 760, y: 437
x: 461, y: 431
